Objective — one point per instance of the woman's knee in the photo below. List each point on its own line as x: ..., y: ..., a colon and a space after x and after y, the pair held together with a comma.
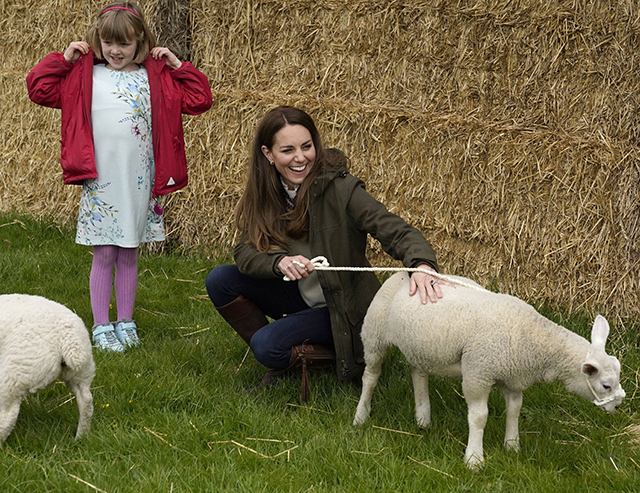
x: 269, y: 351
x: 220, y: 282
x: 259, y: 349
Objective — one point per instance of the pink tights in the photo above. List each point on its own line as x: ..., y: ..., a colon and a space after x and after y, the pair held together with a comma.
x: 125, y: 260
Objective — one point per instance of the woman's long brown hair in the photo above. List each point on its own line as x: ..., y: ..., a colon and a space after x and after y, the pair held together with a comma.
x: 261, y: 212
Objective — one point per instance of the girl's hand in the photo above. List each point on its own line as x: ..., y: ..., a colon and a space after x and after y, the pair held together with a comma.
x: 426, y: 284
x: 159, y: 52
x: 75, y: 50
x: 290, y: 268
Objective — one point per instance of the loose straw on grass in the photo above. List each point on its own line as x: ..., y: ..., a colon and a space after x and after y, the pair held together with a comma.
x: 16, y: 221
x: 195, y: 332
x: 155, y: 314
x: 309, y: 408
x: 246, y: 353
x: 70, y: 398
x: 615, y: 465
x: 273, y: 440
x: 157, y: 435
x: 244, y: 447
x: 88, y: 484
x: 430, y: 467
x: 396, y: 431
x: 456, y: 438
x: 261, y: 455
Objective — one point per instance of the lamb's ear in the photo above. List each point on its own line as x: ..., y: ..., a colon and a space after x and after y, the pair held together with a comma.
x: 599, y: 332
x: 589, y: 369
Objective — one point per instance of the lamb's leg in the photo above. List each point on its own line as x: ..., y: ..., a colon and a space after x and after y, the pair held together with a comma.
x: 9, y: 411
x: 369, y: 381
x: 513, y: 401
x: 83, y: 395
x: 421, y: 395
x: 477, y: 397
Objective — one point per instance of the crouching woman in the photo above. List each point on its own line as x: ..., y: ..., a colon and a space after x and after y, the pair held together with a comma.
x: 300, y: 202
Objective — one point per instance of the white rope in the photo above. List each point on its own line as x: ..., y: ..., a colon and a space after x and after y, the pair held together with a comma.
x: 321, y: 263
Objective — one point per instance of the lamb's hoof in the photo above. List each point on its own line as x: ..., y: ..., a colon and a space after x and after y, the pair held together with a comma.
x: 80, y: 434
x: 359, y: 419
x: 512, y: 445
x: 474, y: 463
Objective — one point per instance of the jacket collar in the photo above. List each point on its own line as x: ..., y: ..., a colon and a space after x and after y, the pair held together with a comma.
x: 321, y: 183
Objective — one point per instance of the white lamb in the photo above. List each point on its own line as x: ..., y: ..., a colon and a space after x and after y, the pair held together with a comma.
x: 485, y: 339
x: 41, y: 340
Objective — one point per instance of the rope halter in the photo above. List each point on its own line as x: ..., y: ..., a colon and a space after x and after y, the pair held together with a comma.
x: 600, y: 402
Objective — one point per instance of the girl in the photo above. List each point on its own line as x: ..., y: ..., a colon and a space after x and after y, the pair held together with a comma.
x: 121, y: 98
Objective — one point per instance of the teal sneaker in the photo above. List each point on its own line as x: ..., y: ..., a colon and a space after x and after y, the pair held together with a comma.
x: 127, y: 333
x: 104, y: 337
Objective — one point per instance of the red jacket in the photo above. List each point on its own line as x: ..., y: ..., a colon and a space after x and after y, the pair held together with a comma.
x: 56, y: 83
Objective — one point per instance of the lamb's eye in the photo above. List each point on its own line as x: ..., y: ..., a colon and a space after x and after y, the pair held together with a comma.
x: 606, y: 387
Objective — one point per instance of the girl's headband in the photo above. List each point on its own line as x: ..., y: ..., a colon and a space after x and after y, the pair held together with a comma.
x: 119, y: 8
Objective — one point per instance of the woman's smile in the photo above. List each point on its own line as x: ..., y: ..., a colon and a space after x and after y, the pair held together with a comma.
x: 293, y: 154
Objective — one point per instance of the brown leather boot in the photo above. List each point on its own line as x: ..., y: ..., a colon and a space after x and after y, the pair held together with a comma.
x: 244, y: 317
x: 271, y: 377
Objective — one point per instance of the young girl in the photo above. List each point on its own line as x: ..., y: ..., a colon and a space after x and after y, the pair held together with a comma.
x: 121, y: 98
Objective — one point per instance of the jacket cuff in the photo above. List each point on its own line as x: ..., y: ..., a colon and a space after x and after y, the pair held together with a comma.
x: 428, y: 262
x: 275, y: 269
x: 61, y: 58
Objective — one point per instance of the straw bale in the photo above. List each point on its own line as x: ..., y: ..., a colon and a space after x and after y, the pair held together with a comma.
x: 506, y: 131
x: 173, y: 24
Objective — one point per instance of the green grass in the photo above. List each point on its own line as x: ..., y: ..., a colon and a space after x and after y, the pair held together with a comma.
x: 167, y: 413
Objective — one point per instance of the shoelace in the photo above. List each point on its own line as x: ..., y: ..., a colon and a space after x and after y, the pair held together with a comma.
x: 111, y: 337
x: 131, y: 334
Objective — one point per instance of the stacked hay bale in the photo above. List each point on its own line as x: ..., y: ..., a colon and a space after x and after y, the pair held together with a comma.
x: 506, y: 131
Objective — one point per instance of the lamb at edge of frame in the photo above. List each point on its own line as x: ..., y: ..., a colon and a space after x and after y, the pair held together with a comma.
x: 485, y: 339
x: 40, y: 341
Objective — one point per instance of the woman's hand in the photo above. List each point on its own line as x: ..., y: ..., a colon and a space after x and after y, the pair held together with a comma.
x: 429, y: 286
x: 160, y: 52
x: 75, y: 50
x: 289, y: 266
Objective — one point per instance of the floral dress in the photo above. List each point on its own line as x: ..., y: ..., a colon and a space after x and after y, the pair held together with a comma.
x: 117, y: 208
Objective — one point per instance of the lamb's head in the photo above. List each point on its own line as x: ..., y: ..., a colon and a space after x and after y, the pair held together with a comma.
x: 601, y: 371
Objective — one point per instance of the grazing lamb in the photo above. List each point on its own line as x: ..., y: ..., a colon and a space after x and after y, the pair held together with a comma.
x: 486, y: 339
x: 41, y: 340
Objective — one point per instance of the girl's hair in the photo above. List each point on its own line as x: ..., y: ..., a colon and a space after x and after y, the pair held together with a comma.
x: 121, y: 22
x: 261, y: 212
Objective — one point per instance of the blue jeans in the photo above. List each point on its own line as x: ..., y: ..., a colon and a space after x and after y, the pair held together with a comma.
x: 294, y: 322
